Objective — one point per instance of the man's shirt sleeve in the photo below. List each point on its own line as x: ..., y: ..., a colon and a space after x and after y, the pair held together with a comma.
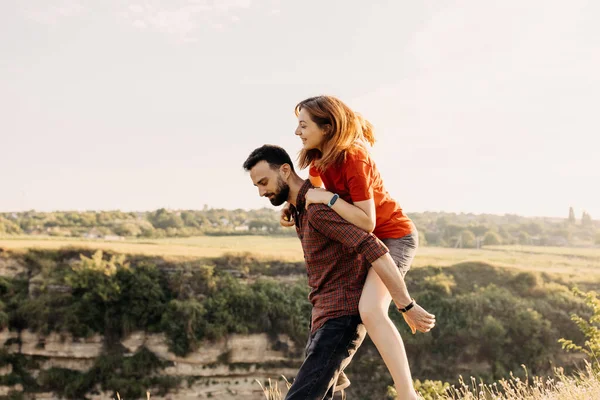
x: 330, y: 224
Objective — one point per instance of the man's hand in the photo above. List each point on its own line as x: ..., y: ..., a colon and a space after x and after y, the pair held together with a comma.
x: 286, y: 220
x: 419, y: 320
x: 317, y: 196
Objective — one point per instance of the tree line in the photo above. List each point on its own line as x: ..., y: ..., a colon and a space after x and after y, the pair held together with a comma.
x: 436, y: 228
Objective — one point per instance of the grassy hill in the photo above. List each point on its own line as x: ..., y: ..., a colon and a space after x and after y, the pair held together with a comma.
x: 497, y: 307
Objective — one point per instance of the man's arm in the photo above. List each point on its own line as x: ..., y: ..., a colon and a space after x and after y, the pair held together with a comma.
x: 330, y: 224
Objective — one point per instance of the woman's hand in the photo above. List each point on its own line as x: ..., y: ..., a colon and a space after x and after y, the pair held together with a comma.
x: 317, y: 196
x: 418, y: 319
x: 286, y: 219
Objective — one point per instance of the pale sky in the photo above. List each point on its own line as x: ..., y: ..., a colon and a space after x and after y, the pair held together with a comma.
x: 479, y: 106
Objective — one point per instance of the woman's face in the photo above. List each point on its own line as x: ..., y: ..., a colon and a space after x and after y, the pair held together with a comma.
x: 312, y: 136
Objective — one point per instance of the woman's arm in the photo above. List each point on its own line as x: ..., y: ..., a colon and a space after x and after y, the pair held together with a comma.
x: 361, y: 213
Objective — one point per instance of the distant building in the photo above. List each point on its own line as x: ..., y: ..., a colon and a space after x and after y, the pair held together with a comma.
x: 535, y: 240
x: 557, y: 241
x: 113, y: 237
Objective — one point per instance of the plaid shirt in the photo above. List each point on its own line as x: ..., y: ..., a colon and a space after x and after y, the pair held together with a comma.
x: 338, y: 255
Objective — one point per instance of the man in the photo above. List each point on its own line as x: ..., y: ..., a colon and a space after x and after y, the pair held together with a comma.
x: 338, y: 255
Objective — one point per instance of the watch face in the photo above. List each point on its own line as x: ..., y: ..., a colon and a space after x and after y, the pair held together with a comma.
x: 333, y: 200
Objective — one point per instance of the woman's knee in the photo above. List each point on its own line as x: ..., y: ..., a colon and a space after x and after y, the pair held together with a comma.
x: 371, y: 312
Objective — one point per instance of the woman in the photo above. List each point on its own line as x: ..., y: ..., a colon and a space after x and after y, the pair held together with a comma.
x: 335, y: 148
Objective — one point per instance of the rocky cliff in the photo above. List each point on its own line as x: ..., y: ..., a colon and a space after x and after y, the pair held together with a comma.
x: 224, y: 369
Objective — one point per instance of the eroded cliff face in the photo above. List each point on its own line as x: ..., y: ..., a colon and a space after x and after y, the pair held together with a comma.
x: 224, y: 369
x: 11, y: 267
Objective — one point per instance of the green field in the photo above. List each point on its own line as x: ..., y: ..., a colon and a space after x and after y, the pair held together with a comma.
x: 576, y: 264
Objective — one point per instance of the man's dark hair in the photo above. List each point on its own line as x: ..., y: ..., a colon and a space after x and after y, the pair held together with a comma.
x: 274, y: 155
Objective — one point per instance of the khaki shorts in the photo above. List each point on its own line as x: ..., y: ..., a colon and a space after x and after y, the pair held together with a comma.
x: 403, y: 250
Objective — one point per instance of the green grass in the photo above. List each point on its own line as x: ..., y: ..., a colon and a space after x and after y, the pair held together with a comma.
x: 575, y: 264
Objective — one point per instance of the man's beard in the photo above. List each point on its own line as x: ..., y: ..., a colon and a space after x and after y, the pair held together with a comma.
x: 283, y: 191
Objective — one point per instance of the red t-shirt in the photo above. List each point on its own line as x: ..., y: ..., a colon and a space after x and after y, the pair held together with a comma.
x: 357, y: 179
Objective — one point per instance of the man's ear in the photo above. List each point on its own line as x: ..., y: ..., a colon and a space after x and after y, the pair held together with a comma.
x: 286, y: 171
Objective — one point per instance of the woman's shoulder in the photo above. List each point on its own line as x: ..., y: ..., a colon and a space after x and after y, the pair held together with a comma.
x: 358, y: 153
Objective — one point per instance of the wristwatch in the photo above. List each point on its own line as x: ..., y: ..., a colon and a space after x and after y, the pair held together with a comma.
x: 333, y: 200
x: 408, y: 307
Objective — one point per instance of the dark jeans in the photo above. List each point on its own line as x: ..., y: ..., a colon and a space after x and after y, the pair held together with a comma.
x: 329, y: 350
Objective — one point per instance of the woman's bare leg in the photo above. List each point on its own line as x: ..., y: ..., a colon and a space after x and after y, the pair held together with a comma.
x: 374, y: 305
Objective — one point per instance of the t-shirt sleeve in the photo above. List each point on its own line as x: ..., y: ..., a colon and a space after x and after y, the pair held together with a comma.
x: 313, y: 171
x: 359, y: 175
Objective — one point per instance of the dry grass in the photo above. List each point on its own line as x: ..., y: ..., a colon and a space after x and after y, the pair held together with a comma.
x: 586, y: 252
x: 271, y: 391
x: 119, y: 396
x: 283, y: 248
x: 584, y: 386
x: 575, y: 264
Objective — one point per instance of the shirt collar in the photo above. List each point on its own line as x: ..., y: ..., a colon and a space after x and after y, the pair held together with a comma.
x: 301, y: 199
